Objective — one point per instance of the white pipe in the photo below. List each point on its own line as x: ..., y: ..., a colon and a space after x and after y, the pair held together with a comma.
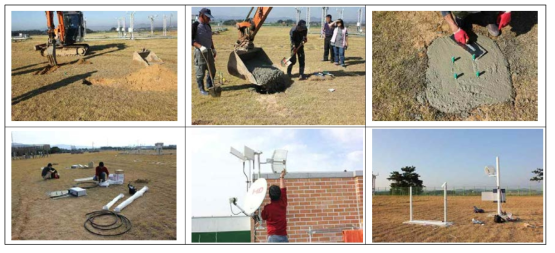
x: 410, y: 189
x: 445, y: 203
x: 84, y: 179
x: 111, y: 203
x: 498, y: 188
x: 130, y: 200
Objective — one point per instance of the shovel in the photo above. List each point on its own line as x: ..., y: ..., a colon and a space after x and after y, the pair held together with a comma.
x: 285, y: 62
x: 214, y: 91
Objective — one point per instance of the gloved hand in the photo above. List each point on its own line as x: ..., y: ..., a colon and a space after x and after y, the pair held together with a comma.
x: 504, y: 19
x: 203, y: 49
x: 461, y: 36
x: 214, y: 52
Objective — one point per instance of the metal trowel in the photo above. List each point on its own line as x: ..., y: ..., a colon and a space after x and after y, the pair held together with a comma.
x: 473, y: 48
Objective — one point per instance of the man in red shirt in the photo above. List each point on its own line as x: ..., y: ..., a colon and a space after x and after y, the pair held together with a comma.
x: 101, y: 173
x: 275, y: 213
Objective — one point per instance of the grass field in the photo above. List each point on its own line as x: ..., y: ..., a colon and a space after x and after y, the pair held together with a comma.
x: 399, y: 63
x: 37, y: 217
x: 389, y: 213
x: 106, y: 86
x: 304, y: 103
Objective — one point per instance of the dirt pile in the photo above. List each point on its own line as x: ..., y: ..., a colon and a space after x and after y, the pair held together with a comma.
x: 152, y: 78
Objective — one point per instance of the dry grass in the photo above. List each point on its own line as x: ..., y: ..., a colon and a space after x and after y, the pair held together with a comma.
x: 37, y: 217
x: 389, y: 213
x: 304, y: 103
x: 106, y: 86
x: 399, y: 62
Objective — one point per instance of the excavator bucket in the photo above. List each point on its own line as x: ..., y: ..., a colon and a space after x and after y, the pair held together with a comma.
x: 147, y: 57
x: 242, y: 63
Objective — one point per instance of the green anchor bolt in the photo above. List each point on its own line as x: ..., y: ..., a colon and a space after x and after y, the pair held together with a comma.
x: 473, y: 57
x: 477, y: 73
x: 453, y: 59
x: 456, y: 76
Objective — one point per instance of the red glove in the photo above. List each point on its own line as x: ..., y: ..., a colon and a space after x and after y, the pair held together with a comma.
x: 503, y: 19
x: 461, y: 36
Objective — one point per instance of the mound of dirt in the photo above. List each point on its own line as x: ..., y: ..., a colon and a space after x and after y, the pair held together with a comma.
x: 83, y: 61
x: 47, y: 70
x: 151, y: 78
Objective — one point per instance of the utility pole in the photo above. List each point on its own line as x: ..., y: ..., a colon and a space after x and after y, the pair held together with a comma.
x: 152, y: 24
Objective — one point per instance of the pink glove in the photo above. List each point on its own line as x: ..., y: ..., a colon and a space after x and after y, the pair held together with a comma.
x: 503, y: 19
x: 461, y: 36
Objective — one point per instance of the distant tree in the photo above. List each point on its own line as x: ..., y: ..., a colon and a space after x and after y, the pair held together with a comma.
x: 54, y: 150
x: 230, y: 22
x: 538, y: 175
x: 89, y: 30
x: 113, y: 29
x: 402, y: 181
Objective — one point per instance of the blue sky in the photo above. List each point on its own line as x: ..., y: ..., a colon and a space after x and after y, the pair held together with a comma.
x: 458, y: 156
x: 350, y: 13
x: 100, y: 137
x: 28, y: 20
x: 217, y: 175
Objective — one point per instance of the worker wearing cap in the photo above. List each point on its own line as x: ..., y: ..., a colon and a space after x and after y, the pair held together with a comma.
x: 458, y: 21
x: 101, y: 173
x: 205, y: 53
x: 298, y: 37
x: 49, y: 173
x: 328, y: 33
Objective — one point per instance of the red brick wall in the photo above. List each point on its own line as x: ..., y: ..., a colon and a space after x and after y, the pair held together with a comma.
x: 320, y: 203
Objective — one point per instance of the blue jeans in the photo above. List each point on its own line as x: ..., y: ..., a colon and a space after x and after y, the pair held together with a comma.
x: 339, y: 54
x: 102, y: 177
x: 278, y: 238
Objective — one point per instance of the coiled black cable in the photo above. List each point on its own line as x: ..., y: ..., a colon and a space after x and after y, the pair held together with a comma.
x: 87, y: 184
x: 119, y: 226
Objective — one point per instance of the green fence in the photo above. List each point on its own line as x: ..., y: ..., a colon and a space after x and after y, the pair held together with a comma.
x: 222, y: 237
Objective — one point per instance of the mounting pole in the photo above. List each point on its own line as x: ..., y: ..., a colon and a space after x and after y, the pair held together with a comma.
x: 445, y: 203
x: 410, y: 192
x: 498, y: 187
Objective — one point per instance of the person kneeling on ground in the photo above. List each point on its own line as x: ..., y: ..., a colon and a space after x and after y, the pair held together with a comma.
x: 49, y: 173
x: 297, y: 35
x: 339, y: 40
x: 495, y: 21
x: 275, y: 213
x: 101, y: 173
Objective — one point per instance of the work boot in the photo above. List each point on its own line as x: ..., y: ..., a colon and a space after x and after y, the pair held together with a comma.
x: 201, y: 87
x: 493, y: 29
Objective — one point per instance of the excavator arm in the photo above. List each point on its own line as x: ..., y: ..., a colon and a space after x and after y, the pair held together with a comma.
x: 245, y: 58
x: 250, y: 27
x: 51, y: 45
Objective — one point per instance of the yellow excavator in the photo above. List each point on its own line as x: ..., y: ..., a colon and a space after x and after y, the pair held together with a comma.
x: 245, y: 57
x: 62, y: 40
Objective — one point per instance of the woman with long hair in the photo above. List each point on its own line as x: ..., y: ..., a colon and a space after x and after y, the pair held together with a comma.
x: 340, y: 42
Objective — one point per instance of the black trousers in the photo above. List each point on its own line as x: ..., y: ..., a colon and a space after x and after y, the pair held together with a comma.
x: 300, y: 55
x: 328, y: 49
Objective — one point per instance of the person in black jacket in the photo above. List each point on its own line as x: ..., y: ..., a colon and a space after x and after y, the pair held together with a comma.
x: 298, y: 38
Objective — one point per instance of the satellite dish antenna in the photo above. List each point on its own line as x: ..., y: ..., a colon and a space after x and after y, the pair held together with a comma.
x: 279, y: 160
x: 490, y: 171
x: 255, y: 196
